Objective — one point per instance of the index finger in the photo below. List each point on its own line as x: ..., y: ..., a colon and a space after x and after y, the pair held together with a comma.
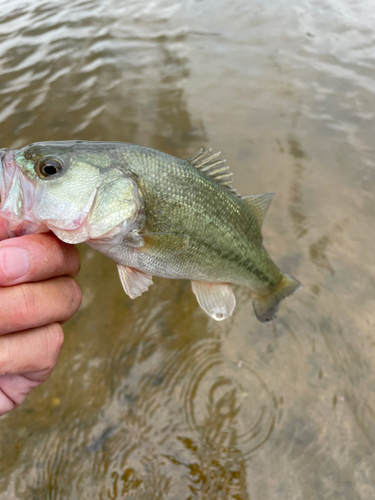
x: 36, y: 257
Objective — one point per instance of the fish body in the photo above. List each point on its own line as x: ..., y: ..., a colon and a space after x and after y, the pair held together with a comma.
x: 152, y: 213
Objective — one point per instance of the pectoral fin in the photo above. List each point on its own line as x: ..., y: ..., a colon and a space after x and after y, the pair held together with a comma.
x: 217, y: 299
x: 133, y: 281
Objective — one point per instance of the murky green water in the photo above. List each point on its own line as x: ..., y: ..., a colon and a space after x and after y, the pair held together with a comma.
x: 151, y: 399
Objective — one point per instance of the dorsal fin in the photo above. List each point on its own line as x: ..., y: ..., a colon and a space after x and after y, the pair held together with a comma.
x: 259, y: 205
x: 214, y: 167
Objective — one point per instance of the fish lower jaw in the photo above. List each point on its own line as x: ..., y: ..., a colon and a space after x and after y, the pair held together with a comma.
x: 22, y: 227
x: 17, y: 195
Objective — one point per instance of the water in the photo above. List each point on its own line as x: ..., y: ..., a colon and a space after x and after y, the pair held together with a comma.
x: 152, y: 399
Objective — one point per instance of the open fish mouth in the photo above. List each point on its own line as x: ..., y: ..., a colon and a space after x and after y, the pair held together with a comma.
x: 3, y: 152
x: 17, y: 197
x: 24, y: 209
x: 29, y: 206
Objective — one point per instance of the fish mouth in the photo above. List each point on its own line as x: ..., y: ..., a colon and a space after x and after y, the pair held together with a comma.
x: 26, y: 207
x: 17, y: 196
x: 7, y: 169
x: 3, y: 152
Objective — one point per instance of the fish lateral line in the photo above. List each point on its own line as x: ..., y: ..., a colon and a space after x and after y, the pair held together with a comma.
x: 109, y: 194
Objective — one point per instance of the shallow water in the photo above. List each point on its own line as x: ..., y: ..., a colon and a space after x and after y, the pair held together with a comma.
x: 151, y: 398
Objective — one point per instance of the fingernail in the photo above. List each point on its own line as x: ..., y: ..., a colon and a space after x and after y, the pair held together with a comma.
x: 14, y: 262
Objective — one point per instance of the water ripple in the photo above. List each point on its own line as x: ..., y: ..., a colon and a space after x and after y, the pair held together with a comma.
x: 226, y: 396
x: 150, y: 399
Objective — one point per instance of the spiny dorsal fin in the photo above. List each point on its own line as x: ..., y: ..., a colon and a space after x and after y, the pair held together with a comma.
x: 213, y: 166
x: 259, y: 204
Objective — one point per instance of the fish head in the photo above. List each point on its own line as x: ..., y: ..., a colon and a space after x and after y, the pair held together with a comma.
x: 71, y: 188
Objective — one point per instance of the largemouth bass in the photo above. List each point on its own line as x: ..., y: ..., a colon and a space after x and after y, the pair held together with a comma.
x: 152, y: 213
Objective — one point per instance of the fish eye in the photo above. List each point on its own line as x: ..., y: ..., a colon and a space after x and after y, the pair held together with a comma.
x: 48, y: 167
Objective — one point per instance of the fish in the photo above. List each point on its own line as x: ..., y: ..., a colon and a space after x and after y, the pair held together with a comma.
x: 152, y: 213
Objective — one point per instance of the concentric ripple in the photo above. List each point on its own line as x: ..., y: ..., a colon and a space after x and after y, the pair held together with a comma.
x: 228, y: 396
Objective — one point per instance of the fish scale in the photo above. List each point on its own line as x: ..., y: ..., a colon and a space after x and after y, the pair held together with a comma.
x: 152, y: 213
x: 204, y: 211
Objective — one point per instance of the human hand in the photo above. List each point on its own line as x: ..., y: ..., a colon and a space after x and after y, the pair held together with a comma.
x: 37, y: 294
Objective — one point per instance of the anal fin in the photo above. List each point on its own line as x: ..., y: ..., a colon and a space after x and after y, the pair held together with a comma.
x: 216, y: 299
x: 133, y: 281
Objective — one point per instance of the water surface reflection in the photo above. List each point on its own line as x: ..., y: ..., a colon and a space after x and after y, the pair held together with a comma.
x: 152, y: 399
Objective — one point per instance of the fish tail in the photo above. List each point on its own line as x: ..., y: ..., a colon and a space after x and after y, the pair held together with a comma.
x: 266, y: 306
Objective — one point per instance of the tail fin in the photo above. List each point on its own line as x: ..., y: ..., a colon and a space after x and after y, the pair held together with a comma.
x: 266, y: 306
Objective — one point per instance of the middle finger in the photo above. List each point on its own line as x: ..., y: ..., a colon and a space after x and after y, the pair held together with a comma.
x: 30, y: 305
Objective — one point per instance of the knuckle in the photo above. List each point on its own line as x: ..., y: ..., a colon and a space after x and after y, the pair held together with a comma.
x: 73, y: 295
x: 75, y: 260
x: 59, y: 255
x: 59, y: 258
x: 55, y: 337
x: 28, y: 301
x: 5, y: 357
x: 69, y: 259
x: 54, y: 340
